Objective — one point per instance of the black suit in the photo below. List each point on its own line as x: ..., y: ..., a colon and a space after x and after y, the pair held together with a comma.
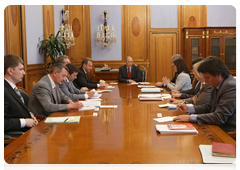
x: 84, y: 81
x: 123, y: 74
x: 14, y: 109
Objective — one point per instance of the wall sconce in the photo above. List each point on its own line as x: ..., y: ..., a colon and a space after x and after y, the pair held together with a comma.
x: 66, y: 29
x: 104, y: 37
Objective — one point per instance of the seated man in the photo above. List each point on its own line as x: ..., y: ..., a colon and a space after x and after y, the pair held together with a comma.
x: 82, y: 77
x: 63, y: 59
x: 221, y: 109
x: 129, y: 73
x: 69, y: 89
x: 184, y: 94
x: 46, y: 97
x: 16, y: 114
x: 174, y: 57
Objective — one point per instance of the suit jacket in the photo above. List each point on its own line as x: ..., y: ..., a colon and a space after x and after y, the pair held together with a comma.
x: 41, y: 100
x: 71, y: 91
x: 183, y: 82
x: 221, y: 109
x: 84, y: 81
x: 123, y: 74
x: 203, y: 95
x: 14, y: 109
x: 191, y: 92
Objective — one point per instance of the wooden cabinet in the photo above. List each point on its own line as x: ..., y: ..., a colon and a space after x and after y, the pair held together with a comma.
x: 204, y: 42
x: 106, y: 75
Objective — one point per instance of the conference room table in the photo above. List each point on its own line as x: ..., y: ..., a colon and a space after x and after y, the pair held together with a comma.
x: 122, y: 135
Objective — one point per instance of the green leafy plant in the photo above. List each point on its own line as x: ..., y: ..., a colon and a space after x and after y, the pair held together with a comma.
x: 51, y: 47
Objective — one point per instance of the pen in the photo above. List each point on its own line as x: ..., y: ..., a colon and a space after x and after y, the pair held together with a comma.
x: 181, y: 103
x: 65, y: 120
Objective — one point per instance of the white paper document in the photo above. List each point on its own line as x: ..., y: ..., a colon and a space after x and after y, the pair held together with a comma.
x: 150, y: 95
x: 166, y: 105
x: 134, y: 83
x: 144, y: 83
x: 206, y: 151
x: 95, y: 103
x: 113, y: 83
x: 101, y: 91
x: 87, y: 108
x: 144, y: 86
x: 164, y: 119
x: 108, y: 106
x: 110, y: 87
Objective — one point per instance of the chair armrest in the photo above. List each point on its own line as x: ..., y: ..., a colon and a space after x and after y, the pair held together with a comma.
x: 14, y: 133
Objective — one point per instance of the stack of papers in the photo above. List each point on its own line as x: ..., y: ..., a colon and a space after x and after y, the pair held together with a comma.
x: 100, y: 91
x: 144, y: 86
x: 206, y: 151
x: 90, y: 105
x: 72, y: 119
x: 164, y: 119
x: 108, y: 106
x: 144, y: 83
x: 163, y: 129
x: 166, y: 96
x: 150, y: 97
x: 150, y: 90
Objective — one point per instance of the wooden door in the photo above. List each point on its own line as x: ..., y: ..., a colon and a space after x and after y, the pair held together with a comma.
x: 163, y: 46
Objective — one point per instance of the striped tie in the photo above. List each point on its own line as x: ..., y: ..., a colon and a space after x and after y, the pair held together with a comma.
x: 19, y: 94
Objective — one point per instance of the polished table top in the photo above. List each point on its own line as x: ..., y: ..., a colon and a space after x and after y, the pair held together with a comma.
x: 124, y: 135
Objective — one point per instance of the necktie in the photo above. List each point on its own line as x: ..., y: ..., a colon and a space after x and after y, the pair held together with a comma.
x: 19, y: 94
x: 129, y: 73
x: 55, y: 95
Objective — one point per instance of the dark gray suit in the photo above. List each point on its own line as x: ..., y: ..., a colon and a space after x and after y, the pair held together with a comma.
x: 191, y: 92
x: 14, y: 109
x: 41, y: 100
x: 123, y: 74
x: 221, y: 109
x: 203, y: 96
x: 83, y: 80
x: 71, y: 91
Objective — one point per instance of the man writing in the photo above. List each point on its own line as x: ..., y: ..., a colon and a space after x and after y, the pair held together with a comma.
x: 129, y: 73
x: 46, y: 96
x: 69, y: 89
x: 221, y: 109
x: 16, y: 114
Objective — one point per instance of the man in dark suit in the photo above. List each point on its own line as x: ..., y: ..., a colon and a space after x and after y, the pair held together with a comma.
x: 69, y: 89
x: 46, y: 97
x: 16, y: 114
x: 129, y: 73
x: 221, y: 109
x: 82, y: 77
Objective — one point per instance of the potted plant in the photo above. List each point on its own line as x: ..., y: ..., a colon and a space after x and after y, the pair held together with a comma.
x: 51, y: 47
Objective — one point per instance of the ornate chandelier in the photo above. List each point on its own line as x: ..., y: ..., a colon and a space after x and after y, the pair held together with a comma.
x: 66, y: 29
x: 104, y: 37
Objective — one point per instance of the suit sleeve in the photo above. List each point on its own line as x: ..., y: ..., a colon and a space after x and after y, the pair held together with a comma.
x: 121, y: 77
x: 10, y: 124
x: 138, y: 77
x: 73, y: 96
x: 43, y: 95
x: 224, y: 110
x: 82, y: 81
x: 204, y: 95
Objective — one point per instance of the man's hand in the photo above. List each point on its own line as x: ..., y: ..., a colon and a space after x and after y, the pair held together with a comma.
x: 174, y: 101
x: 132, y: 81
x: 182, y: 118
x: 182, y: 107
x: 84, y: 89
x: 75, y: 106
x: 103, y: 84
x: 30, y: 122
x: 159, y: 84
x: 90, y: 94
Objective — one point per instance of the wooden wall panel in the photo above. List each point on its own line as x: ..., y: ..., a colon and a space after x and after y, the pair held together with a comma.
x: 79, y: 18
x: 135, y: 32
x: 194, y: 16
x: 163, y: 47
x: 12, y: 32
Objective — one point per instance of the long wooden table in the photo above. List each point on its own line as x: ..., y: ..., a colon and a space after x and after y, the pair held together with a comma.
x: 125, y: 135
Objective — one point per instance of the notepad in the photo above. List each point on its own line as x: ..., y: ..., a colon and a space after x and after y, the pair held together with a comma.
x: 206, y: 151
x: 150, y: 97
x: 163, y: 129
x: 72, y: 119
